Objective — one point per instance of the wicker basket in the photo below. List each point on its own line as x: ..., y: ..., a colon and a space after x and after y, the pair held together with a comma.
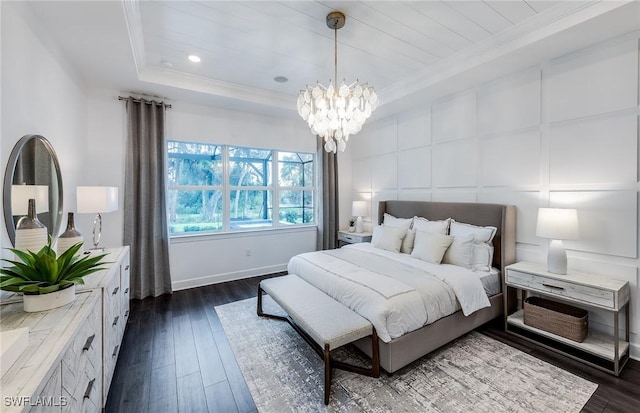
x: 558, y: 318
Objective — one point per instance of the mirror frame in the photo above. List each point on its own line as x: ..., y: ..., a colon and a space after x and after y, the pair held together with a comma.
x: 8, y: 182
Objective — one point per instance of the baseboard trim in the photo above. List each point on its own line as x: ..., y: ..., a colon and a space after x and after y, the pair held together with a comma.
x: 224, y: 277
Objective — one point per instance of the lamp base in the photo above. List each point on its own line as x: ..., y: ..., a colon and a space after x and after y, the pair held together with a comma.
x: 557, y: 258
x: 359, y: 225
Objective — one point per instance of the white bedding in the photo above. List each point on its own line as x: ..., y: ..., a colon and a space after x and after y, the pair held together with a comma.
x: 396, y: 292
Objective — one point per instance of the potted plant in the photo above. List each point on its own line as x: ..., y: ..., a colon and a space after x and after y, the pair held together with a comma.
x: 352, y: 225
x: 48, y: 281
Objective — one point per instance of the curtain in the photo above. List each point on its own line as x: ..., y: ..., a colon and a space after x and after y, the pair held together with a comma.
x: 328, y: 215
x: 145, y: 210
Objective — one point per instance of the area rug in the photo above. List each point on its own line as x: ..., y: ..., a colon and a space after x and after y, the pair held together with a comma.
x: 472, y: 374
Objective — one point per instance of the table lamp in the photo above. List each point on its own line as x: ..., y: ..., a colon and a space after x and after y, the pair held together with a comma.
x: 97, y: 200
x: 557, y: 224
x: 359, y: 209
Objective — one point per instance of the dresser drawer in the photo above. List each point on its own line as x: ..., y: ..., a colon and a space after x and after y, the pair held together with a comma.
x: 125, y: 281
x: 81, y: 366
x: 561, y: 288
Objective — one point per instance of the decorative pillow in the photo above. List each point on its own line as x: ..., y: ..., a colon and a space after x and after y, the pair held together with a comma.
x: 430, y: 246
x: 436, y: 227
x: 482, y: 251
x: 404, y: 223
x: 387, y: 238
x: 460, y: 252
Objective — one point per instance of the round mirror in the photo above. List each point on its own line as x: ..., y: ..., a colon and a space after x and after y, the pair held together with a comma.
x: 33, y: 172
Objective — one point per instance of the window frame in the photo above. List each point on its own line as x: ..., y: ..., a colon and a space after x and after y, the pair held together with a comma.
x: 226, y: 188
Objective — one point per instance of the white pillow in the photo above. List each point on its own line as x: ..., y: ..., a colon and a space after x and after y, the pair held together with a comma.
x: 387, y: 238
x: 460, y: 252
x: 482, y: 251
x: 480, y: 234
x: 482, y: 257
x: 430, y: 246
x: 436, y: 227
x: 404, y: 223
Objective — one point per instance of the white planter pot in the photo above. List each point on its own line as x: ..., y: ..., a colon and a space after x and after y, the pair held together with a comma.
x: 43, y: 302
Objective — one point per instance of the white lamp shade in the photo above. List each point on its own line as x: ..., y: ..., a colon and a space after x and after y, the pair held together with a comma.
x: 97, y: 199
x: 21, y: 194
x: 359, y: 209
x: 557, y: 223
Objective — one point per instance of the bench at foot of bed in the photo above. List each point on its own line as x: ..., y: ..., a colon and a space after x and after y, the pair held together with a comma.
x: 323, y: 322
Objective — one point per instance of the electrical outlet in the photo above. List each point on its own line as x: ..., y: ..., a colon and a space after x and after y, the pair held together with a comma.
x: 247, y: 253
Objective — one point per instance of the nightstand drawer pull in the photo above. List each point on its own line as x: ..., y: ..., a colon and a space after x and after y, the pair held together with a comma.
x: 87, y: 343
x: 555, y: 287
x: 87, y: 392
x: 115, y: 291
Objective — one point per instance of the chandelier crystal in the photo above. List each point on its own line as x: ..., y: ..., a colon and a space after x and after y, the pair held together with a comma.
x: 333, y: 113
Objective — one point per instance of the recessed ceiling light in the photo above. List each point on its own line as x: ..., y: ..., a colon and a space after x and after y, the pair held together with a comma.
x: 280, y: 79
x: 194, y: 58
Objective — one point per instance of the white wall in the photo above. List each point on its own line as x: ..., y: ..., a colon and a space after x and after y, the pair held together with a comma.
x: 198, y: 260
x: 561, y: 134
x: 40, y: 95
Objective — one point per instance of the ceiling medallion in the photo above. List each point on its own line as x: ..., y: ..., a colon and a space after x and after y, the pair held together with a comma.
x: 335, y: 114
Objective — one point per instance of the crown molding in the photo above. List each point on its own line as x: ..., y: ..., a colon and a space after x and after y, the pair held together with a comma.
x: 174, y: 78
x: 133, y: 22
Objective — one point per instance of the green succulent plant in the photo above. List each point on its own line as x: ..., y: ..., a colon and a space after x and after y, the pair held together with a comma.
x: 45, y: 272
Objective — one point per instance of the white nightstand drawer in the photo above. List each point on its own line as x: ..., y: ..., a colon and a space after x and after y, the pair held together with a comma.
x: 354, y: 237
x: 561, y: 288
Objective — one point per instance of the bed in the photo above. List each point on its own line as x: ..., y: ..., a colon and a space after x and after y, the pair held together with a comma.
x: 396, y: 308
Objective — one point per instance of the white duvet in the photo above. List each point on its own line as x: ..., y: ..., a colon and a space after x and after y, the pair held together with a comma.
x: 395, y: 292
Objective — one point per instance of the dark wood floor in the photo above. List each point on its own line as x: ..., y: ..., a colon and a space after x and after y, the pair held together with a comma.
x: 175, y: 357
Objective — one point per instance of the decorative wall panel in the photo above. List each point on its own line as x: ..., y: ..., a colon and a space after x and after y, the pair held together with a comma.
x: 607, y: 220
x: 593, y: 151
x: 414, y: 129
x: 385, y: 172
x: 527, y: 203
x: 414, y: 168
x: 600, y: 81
x: 511, y: 159
x: 511, y: 103
x: 385, y: 137
x: 454, y: 118
x: 454, y: 164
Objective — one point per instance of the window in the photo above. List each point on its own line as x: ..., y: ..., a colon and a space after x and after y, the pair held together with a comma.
x: 219, y: 188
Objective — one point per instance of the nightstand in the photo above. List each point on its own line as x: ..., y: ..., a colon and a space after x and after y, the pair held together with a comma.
x: 603, y: 351
x: 346, y: 237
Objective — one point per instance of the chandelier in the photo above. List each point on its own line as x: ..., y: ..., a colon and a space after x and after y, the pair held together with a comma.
x: 335, y: 114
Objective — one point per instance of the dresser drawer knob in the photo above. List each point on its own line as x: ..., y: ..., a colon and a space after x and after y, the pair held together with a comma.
x: 115, y: 291
x: 115, y: 351
x: 126, y: 313
x: 87, y: 343
x: 555, y: 287
x: 126, y: 268
x: 115, y: 320
x: 126, y: 291
x: 87, y: 392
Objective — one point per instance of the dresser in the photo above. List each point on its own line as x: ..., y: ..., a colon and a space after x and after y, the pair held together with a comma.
x: 72, y: 352
x: 607, y: 352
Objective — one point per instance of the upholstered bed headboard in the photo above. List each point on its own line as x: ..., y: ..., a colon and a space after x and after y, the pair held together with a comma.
x: 502, y: 217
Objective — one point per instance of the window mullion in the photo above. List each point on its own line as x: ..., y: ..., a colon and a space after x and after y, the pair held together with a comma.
x: 226, y: 193
x: 275, y: 183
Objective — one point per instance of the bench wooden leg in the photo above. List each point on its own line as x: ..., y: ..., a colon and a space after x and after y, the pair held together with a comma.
x: 262, y: 313
x: 327, y: 374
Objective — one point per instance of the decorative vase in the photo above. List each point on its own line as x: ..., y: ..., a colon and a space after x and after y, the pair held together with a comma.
x: 43, y: 302
x: 69, y: 237
x: 31, y: 234
x: 352, y: 229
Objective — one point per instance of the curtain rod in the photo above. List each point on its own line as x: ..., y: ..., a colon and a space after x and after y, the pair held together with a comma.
x: 146, y: 101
